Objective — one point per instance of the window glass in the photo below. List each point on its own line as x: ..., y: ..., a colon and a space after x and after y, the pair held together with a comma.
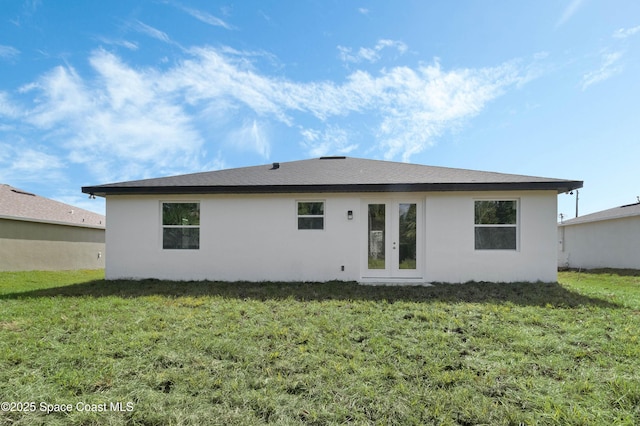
x: 181, y: 214
x: 180, y: 226
x: 491, y: 238
x: 495, y: 212
x: 310, y: 223
x: 312, y: 208
x: 496, y: 225
x: 310, y: 214
x: 181, y: 238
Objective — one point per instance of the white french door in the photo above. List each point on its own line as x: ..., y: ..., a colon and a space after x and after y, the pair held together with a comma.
x: 393, y: 239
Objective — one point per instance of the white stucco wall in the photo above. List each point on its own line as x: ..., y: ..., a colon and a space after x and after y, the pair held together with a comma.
x: 255, y: 238
x: 252, y: 238
x: 613, y: 243
x: 450, y: 252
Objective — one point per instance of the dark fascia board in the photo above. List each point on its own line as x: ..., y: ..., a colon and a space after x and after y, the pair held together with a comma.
x: 559, y: 186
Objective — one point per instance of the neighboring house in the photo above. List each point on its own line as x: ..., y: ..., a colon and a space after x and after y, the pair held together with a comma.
x: 606, y: 239
x: 334, y: 218
x: 37, y: 233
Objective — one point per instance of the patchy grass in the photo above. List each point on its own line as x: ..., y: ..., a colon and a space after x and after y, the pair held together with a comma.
x: 332, y: 353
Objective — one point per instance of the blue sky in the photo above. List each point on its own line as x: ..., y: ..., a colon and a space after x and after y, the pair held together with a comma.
x: 95, y: 92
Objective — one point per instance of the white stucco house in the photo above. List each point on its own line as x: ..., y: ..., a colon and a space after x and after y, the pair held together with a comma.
x: 334, y: 218
x: 605, y: 239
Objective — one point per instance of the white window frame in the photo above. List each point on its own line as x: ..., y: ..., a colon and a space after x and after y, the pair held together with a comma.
x: 510, y: 225
x: 163, y: 226
x: 311, y: 216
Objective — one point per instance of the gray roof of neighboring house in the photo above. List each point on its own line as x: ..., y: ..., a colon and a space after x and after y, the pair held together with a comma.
x: 334, y: 174
x: 614, y: 213
x: 17, y: 204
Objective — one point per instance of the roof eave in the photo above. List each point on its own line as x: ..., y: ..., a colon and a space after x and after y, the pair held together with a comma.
x: 559, y: 186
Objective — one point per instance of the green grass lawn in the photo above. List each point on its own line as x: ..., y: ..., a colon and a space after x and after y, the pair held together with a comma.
x: 158, y: 353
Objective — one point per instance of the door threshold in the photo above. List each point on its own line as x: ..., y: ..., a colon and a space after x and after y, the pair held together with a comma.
x: 394, y: 281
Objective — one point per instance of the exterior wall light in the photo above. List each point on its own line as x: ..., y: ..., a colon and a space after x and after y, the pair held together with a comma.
x: 350, y: 214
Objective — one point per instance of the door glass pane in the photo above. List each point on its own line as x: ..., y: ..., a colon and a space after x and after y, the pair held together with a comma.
x: 407, y: 236
x: 376, y: 236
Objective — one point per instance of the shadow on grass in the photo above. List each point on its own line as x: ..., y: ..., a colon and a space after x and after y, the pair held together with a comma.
x: 525, y: 294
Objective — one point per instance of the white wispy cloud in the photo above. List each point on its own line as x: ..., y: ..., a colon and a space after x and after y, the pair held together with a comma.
x: 418, y: 105
x: 8, y: 52
x: 370, y: 54
x: 207, y: 18
x: 251, y: 136
x: 122, y: 117
x: 64, y: 95
x: 20, y: 163
x: 609, y: 59
x: 623, y: 33
x: 125, y: 123
x: 151, y: 31
x: 569, y: 11
x: 332, y: 140
x: 609, y: 67
x: 214, y: 76
x: 118, y: 42
x: 411, y: 106
x: 7, y: 107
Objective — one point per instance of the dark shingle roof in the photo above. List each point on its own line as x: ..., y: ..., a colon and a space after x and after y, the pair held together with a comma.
x: 614, y: 213
x: 334, y: 174
x: 22, y: 205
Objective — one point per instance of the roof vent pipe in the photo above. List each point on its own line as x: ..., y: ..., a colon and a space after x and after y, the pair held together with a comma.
x: 276, y: 166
